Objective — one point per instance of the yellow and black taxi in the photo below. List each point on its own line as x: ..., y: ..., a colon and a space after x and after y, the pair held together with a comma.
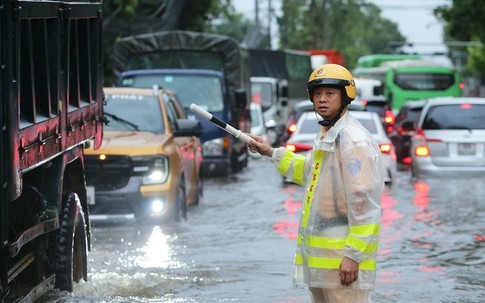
x: 149, y: 160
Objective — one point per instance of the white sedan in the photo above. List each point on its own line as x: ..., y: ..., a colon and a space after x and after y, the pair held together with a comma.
x: 301, y: 141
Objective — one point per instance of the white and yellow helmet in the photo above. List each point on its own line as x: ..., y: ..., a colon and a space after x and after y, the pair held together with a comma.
x: 332, y: 75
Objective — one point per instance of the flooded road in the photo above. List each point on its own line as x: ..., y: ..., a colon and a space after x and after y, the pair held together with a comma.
x: 238, y: 246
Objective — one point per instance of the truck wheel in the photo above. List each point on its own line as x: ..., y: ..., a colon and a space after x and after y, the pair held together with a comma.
x: 180, y: 203
x: 71, y: 244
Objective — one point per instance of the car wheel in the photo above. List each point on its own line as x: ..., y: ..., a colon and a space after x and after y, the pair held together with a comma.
x: 180, y: 204
x: 69, y: 246
x: 389, y: 174
x: 199, y: 191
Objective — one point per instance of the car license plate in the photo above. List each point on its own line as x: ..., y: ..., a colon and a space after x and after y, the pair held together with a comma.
x: 90, y: 195
x: 466, y: 149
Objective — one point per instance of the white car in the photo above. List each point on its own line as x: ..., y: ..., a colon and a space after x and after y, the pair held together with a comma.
x: 450, y: 138
x: 258, y: 126
x: 301, y: 141
x: 372, y: 122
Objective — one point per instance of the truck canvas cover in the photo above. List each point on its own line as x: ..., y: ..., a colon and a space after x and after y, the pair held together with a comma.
x: 291, y: 65
x: 184, y: 49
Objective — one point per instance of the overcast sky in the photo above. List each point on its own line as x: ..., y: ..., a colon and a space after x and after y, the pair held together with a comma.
x: 414, y: 18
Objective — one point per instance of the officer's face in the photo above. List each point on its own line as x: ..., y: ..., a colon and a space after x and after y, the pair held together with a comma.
x: 326, y: 101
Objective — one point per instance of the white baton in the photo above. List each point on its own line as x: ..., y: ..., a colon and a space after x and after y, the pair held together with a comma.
x: 228, y: 128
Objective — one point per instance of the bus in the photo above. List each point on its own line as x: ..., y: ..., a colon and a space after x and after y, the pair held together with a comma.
x: 409, y: 77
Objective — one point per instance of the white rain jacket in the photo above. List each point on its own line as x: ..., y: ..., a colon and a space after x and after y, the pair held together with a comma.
x: 341, y: 209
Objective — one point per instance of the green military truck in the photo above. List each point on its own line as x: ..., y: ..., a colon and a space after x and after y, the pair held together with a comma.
x: 51, y: 106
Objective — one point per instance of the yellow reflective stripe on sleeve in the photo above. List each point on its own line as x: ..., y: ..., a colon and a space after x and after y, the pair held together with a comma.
x: 299, y: 169
x: 365, y: 230
x: 361, y: 245
x: 321, y: 242
x: 331, y: 263
x: 307, y: 202
x: 285, y: 162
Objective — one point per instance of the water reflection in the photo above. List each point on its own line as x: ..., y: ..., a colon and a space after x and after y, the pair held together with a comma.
x: 288, y: 226
x: 157, y: 251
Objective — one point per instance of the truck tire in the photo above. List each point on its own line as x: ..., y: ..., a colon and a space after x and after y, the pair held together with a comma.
x: 71, y: 248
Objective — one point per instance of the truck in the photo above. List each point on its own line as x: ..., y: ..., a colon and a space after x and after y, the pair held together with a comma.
x: 278, y: 78
x: 324, y: 56
x: 51, y: 107
x: 207, y: 69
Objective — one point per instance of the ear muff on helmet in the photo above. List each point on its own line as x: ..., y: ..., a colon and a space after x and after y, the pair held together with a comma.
x: 332, y: 75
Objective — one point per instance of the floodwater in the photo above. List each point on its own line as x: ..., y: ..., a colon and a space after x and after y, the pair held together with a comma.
x: 238, y: 244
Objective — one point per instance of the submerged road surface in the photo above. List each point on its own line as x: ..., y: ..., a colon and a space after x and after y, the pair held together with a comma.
x: 238, y: 244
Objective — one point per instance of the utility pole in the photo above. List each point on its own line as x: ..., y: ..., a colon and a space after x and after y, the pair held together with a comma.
x: 270, y: 20
x: 256, y: 13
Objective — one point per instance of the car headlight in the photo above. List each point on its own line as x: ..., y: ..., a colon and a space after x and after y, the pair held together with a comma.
x: 158, y: 206
x: 155, y: 177
x: 213, y: 147
x: 154, y: 170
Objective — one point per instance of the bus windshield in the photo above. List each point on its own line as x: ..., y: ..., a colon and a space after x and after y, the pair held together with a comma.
x: 203, y: 90
x: 424, y: 81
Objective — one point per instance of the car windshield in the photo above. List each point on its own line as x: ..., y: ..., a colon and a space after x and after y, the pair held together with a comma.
x: 261, y: 93
x: 379, y: 109
x: 455, y: 116
x: 203, y: 90
x: 309, y: 126
x: 133, y: 112
x: 369, y: 124
x: 255, y: 118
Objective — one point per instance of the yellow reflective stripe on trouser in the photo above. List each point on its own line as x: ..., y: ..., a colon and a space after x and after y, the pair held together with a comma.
x: 331, y: 263
x: 323, y: 242
x: 365, y: 230
x: 361, y: 245
x: 318, y: 157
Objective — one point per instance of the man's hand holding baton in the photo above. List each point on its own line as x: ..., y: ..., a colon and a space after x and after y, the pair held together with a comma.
x: 255, y: 143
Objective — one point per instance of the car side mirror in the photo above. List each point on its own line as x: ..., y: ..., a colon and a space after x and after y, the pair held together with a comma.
x: 188, y: 128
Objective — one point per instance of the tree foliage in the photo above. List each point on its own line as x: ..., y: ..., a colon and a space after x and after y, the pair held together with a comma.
x: 131, y: 17
x: 464, y: 21
x: 354, y: 27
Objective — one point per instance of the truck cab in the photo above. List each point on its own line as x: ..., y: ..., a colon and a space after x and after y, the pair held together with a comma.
x: 209, y: 70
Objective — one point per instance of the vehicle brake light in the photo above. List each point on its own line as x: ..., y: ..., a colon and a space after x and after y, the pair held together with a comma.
x: 462, y: 85
x: 296, y: 148
x: 421, y: 151
x: 407, y: 160
x: 389, y: 117
x: 292, y: 128
x: 385, y: 148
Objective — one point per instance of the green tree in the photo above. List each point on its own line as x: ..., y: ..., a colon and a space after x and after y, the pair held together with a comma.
x: 464, y: 21
x: 354, y: 27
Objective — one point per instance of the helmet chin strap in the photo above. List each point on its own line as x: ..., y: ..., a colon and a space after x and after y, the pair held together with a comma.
x: 331, y: 122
